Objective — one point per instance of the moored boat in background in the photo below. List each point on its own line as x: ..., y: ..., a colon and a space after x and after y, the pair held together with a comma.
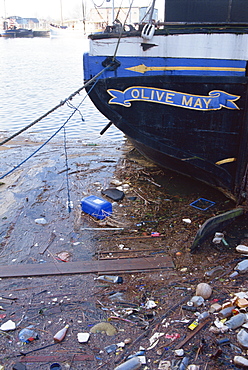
x: 178, y: 89
x: 65, y: 31
x: 17, y: 32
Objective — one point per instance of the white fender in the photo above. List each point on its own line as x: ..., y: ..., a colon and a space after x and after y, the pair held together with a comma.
x: 148, y: 31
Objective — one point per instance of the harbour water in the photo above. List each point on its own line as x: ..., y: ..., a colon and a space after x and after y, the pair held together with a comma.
x: 36, y: 75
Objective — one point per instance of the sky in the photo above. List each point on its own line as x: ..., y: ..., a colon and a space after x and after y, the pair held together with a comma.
x: 50, y: 9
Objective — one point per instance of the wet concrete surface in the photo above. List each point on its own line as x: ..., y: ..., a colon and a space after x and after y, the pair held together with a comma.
x: 154, y: 201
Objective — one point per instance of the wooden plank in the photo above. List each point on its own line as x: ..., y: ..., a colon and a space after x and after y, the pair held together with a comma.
x: 86, y: 267
x: 192, y: 334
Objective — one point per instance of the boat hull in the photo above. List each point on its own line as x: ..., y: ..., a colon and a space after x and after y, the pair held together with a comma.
x: 171, y: 121
x: 14, y: 33
x: 58, y: 32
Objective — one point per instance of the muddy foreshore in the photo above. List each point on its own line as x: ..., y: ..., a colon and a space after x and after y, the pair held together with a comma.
x: 155, y: 202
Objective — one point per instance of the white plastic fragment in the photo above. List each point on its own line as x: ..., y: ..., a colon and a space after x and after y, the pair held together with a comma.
x: 242, y: 249
x: 242, y: 266
x: 116, y: 182
x: 240, y: 361
x: 187, y: 220
x: 197, y: 301
x: 83, y: 337
x: 154, y: 340
x: 142, y: 359
x: 241, y: 295
x: 184, y: 269
x: 150, y: 304
x: 220, y: 325
x: 155, y: 337
x: 8, y: 325
x: 164, y: 365
x: 179, y: 352
x: 242, y: 338
x: 40, y: 221
x: 217, y: 237
x: 215, y: 330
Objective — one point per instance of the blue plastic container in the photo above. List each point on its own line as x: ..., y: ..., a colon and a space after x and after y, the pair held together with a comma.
x: 97, y: 207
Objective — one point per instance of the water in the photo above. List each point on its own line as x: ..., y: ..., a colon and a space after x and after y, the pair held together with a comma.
x: 36, y: 75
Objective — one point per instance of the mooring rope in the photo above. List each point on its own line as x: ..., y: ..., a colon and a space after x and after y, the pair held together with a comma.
x: 56, y: 107
x: 69, y: 202
x: 51, y: 137
x: 122, y: 29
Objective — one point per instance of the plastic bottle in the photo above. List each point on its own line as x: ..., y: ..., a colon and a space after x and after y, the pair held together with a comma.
x: 236, y: 321
x: 203, y: 316
x: 235, y: 273
x: 226, y: 312
x: 27, y: 335
x: 59, y: 336
x: 132, y: 364
x: 110, y: 278
x: 242, y: 338
x: 242, y: 266
x: 184, y: 363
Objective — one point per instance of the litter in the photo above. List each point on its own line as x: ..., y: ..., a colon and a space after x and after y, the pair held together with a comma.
x: 55, y: 366
x: 150, y: 304
x: 204, y: 290
x: 83, y: 337
x: 27, y: 335
x: 187, y: 220
x: 111, y: 348
x: 114, y: 194
x: 242, y: 249
x: 218, y: 238
x: 202, y: 204
x: 104, y: 327
x: 131, y: 364
x: 64, y: 256
x: 60, y: 335
x: 40, y: 221
x: 242, y: 338
x: 110, y: 279
x: 96, y: 207
x: 8, y: 325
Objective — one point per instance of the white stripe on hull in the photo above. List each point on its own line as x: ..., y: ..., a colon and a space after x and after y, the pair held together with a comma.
x: 212, y: 46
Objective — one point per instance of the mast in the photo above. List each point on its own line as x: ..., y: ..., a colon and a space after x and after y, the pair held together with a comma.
x: 4, y: 7
x: 164, y: 11
x: 113, y: 11
x: 151, y: 11
x: 61, y: 13
x: 84, y: 14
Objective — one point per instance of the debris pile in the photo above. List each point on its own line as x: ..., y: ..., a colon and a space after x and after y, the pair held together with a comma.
x: 142, y: 300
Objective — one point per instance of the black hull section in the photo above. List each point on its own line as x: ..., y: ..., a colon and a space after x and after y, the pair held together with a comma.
x: 210, y: 146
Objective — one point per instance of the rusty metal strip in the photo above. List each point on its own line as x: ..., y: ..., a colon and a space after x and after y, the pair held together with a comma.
x: 87, y: 267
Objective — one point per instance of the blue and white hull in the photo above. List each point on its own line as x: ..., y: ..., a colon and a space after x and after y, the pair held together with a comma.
x: 181, y: 98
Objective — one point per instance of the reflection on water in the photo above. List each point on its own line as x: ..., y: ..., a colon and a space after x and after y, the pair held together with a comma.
x: 36, y: 75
